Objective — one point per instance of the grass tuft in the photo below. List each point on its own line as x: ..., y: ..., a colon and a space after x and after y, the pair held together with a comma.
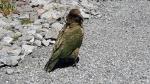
x: 6, y: 7
x: 26, y: 21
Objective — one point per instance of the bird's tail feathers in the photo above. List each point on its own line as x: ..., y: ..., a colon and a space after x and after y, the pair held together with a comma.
x: 50, y: 65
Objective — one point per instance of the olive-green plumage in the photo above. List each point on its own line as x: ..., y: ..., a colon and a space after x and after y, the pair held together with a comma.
x: 68, y: 41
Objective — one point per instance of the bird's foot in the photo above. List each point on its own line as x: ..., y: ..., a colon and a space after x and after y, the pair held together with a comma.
x: 75, y: 65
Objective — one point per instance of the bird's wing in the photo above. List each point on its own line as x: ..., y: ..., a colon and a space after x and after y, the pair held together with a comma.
x: 59, y: 40
x: 67, y: 42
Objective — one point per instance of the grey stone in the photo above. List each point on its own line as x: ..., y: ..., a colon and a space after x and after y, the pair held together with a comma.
x: 46, y: 42
x: 37, y: 22
x: 16, y: 22
x: 45, y: 25
x: 19, y: 27
x: 7, y: 39
x: 42, y: 30
x: 10, y: 60
x: 3, y: 23
x: 86, y: 16
x: 26, y: 38
x: 57, y: 26
x: 49, y: 35
x: 36, y: 2
x: 24, y: 16
x: 9, y: 71
x: 37, y: 42
x: 14, y: 52
x: 33, y: 16
x: 2, y: 32
x: 31, y: 31
x: 35, y: 27
x: 32, y: 40
x: 54, y: 31
x: 52, y: 41
x: 28, y: 49
x: 38, y: 36
x: 71, y: 2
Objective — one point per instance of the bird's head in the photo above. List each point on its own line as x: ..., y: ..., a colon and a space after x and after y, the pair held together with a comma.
x: 74, y: 16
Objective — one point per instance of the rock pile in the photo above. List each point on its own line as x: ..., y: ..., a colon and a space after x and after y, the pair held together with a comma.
x: 19, y: 37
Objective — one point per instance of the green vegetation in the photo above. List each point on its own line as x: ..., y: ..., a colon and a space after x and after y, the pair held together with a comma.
x: 26, y: 21
x: 6, y: 7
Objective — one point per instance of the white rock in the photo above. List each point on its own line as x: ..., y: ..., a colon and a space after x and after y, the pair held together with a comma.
x: 56, y: 14
x: 34, y: 27
x: 37, y: 42
x: 33, y: 16
x: 47, y: 15
x: 15, y: 15
x: 24, y: 16
x: 22, y: 57
x: 52, y: 14
x: 57, y: 26
x: 15, y: 23
x: 8, y: 58
x: 3, y: 23
x: 46, y: 42
x: 99, y: 15
x: 35, y: 2
x: 32, y: 40
x: 72, y: 2
x: 7, y: 39
x: 40, y: 11
x: 45, y: 25
x: 11, y: 60
x: 31, y: 31
x: 49, y: 35
x: 2, y: 32
x: 37, y: 22
x: 87, y: 4
x: 25, y: 38
x: 42, y: 33
x: 86, y: 16
x: 9, y: 71
x: 38, y: 36
x: 18, y: 27
x: 28, y: 48
x: 15, y: 52
x: 54, y: 31
x: 52, y: 42
x: 3, y: 54
x: 27, y: 8
x: 8, y: 33
x: 43, y: 30
x: 5, y: 44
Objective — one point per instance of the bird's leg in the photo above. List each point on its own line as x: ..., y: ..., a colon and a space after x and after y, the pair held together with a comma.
x: 75, y: 63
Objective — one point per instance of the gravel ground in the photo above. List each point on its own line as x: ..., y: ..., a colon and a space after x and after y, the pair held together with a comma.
x: 116, y: 50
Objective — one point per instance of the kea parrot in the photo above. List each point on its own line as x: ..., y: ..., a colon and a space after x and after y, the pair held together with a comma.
x: 66, y: 48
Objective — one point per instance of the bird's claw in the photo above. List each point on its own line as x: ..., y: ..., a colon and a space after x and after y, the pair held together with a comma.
x: 75, y: 65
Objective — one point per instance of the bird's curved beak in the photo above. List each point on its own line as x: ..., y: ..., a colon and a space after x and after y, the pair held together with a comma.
x: 81, y: 17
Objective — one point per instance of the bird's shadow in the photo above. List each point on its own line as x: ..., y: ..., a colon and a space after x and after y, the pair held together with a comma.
x: 62, y: 63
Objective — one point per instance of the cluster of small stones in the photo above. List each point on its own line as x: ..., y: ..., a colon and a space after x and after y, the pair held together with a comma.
x: 17, y: 40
